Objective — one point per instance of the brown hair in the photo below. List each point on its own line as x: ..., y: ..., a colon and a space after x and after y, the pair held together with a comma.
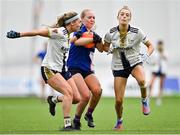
x: 160, y: 42
x: 61, y: 19
x: 160, y: 46
x: 127, y: 8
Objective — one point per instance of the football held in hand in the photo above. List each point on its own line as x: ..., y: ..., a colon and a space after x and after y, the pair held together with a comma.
x: 88, y: 35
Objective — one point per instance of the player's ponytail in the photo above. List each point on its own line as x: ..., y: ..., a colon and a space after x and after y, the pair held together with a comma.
x: 67, y: 18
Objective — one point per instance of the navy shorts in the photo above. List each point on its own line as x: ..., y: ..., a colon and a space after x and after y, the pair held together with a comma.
x: 125, y: 72
x: 84, y: 74
x: 48, y: 73
x: 159, y: 74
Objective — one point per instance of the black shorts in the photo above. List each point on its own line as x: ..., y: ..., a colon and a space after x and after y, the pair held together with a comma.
x: 159, y: 74
x: 84, y: 74
x: 48, y: 73
x: 125, y: 72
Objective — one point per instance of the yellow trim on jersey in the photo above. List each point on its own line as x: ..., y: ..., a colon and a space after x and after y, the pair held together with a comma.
x: 48, y: 73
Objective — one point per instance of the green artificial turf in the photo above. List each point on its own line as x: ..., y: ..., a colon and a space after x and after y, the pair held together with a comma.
x: 31, y: 116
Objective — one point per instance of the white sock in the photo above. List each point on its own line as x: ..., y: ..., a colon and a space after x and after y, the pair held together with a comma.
x: 158, y: 101
x: 121, y: 119
x: 67, y: 121
x: 144, y: 99
x: 55, y: 99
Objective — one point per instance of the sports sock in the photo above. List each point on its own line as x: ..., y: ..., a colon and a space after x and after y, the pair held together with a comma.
x: 77, y: 117
x: 67, y: 121
x: 90, y: 111
x: 144, y: 99
x: 55, y: 99
x: 120, y: 120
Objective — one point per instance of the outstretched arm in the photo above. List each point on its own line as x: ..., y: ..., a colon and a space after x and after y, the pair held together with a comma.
x: 40, y: 32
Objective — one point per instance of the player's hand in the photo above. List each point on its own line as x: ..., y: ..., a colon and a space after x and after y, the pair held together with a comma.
x: 99, y: 47
x: 13, y: 34
x: 110, y: 51
x: 115, y: 46
x: 145, y: 58
x: 96, y: 38
x: 78, y: 34
x: 112, y: 48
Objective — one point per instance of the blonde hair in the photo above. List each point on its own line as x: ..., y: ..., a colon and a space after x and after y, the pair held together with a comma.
x: 126, y: 8
x: 83, y: 13
x: 61, y: 19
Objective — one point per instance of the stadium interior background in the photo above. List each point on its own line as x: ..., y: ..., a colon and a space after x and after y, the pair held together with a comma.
x: 19, y: 76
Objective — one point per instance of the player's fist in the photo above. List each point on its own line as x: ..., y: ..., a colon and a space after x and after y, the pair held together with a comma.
x: 78, y: 34
x: 13, y: 34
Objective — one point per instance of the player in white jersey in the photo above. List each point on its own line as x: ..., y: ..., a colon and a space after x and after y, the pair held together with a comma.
x: 159, y: 69
x: 53, y: 67
x: 125, y: 47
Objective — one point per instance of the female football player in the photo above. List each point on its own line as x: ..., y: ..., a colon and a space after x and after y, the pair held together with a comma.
x: 53, y: 67
x: 80, y: 64
x: 159, y: 63
x: 125, y: 40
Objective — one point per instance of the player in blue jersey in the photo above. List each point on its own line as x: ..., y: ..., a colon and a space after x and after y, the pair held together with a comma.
x: 41, y: 54
x: 80, y: 64
x: 53, y: 67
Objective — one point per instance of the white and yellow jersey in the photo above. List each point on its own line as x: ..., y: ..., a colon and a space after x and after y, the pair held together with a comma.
x: 129, y: 44
x: 57, y: 48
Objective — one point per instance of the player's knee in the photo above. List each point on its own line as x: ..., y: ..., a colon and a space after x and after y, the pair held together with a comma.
x: 142, y: 83
x: 68, y: 93
x: 97, y: 92
x: 76, y: 99
x: 85, y: 97
x: 119, y: 102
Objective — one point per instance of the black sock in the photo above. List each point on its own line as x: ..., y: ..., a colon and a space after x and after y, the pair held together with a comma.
x: 77, y: 117
x: 90, y: 111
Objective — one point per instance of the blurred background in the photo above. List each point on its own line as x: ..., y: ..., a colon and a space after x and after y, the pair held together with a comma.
x: 19, y: 74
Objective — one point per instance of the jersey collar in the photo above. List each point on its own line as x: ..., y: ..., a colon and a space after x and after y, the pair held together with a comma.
x: 127, y: 30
